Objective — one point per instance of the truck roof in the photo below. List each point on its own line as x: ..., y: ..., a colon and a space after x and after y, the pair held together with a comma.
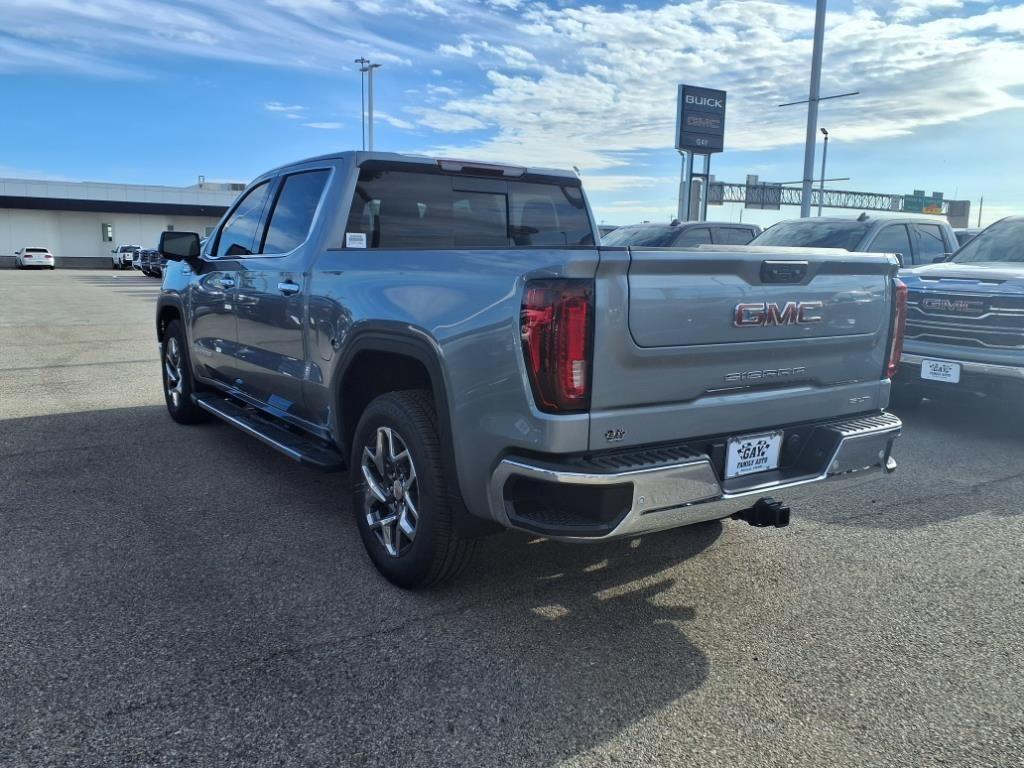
x: 882, y: 217
x: 358, y: 157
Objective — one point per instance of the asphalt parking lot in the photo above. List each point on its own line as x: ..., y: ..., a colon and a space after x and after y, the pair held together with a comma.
x: 187, y: 596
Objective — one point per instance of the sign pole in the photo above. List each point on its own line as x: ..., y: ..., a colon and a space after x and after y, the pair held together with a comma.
x: 705, y: 189
x: 684, y: 185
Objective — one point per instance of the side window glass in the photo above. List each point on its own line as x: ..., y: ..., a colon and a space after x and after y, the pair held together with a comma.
x: 733, y: 235
x: 694, y: 236
x: 293, y: 211
x: 893, y: 239
x: 931, y: 242
x: 237, y: 234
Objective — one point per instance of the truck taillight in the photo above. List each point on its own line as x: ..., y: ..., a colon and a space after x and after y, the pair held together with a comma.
x: 556, y: 324
x: 899, y: 324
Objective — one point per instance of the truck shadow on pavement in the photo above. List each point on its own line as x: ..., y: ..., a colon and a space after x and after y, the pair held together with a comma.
x: 203, y: 598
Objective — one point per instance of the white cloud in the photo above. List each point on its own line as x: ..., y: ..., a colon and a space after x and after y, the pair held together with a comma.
x: 394, y: 122
x: 276, y: 106
x: 324, y: 126
x: 614, y: 182
x: 90, y: 37
x: 439, y: 120
x: 603, y: 81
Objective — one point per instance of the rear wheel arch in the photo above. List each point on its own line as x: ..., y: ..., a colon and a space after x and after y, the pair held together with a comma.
x: 384, y: 359
x: 379, y: 361
x: 164, y: 315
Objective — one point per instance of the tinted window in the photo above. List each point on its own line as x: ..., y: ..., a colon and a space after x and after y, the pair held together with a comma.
x: 808, y: 233
x: 1003, y: 241
x: 931, y: 242
x: 403, y: 209
x: 236, y: 236
x: 293, y: 211
x: 648, y: 235
x: 548, y: 214
x: 693, y: 236
x: 733, y: 235
x: 36, y: 250
x: 893, y: 239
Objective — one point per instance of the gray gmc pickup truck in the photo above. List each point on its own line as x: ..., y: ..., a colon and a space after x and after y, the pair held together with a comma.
x: 452, y: 334
x: 965, y: 320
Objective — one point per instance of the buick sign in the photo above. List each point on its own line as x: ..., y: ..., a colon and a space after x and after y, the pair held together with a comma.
x: 700, y: 120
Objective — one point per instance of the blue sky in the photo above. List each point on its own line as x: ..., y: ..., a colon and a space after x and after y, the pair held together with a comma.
x: 153, y: 91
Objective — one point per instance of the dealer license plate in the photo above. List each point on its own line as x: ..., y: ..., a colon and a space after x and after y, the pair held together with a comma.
x: 940, y: 370
x: 752, y: 453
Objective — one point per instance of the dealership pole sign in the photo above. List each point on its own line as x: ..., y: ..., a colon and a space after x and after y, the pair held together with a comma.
x: 700, y: 120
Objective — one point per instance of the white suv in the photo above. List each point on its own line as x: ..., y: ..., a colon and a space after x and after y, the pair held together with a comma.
x: 124, y: 256
x: 33, y: 257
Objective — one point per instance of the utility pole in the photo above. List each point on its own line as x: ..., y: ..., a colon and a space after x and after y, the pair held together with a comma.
x: 362, y: 62
x: 821, y: 187
x: 366, y: 69
x: 981, y: 205
x: 812, y: 109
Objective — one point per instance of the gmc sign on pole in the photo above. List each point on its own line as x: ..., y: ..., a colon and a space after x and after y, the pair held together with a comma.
x: 700, y: 120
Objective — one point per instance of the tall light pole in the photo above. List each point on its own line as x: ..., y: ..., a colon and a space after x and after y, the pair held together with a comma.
x: 362, y: 62
x: 366, y: 69
x: 821, y: 187
x: 812, y: 110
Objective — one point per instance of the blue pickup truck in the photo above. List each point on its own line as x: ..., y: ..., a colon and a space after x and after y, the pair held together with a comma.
x: 965, y: 321
x: 453, y: 334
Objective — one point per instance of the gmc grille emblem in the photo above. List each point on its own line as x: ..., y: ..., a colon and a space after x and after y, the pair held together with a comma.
x: 762, y: 313
x: 952, y: 305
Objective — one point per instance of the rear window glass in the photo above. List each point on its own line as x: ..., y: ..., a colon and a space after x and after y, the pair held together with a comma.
x: 650, y: 236
x: 1001, y: 242
x: 36, y: 250
x: 814, y: 234
x: 406, y: 209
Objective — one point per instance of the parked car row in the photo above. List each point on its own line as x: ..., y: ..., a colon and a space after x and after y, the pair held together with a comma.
x: 149, y: 262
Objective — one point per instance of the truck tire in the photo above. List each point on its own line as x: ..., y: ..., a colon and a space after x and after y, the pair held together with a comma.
x: 176, y: 372
x: 402, y: 504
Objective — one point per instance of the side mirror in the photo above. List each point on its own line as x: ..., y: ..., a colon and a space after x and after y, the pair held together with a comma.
x: 940, y: 259
x: 179, y: 246
x: 113, y: 250
x: 899, y: 258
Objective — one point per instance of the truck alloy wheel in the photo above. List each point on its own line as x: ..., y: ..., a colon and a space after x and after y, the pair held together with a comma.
x: 173, y: 379
x: 392, y: 492
x: 401, y: 502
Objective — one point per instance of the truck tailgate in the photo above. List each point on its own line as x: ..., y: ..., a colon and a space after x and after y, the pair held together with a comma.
x: 698, y: 342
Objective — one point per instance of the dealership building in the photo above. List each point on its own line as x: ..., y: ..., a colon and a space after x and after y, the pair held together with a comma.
x: 81, y: 222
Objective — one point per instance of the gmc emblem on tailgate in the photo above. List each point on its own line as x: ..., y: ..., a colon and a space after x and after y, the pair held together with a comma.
x: 764, y: 313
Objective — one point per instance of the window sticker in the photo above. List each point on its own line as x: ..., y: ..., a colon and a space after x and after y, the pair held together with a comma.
x: 355, y: 239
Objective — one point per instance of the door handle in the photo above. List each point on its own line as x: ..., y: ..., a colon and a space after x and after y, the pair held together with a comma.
x: 288, y: 288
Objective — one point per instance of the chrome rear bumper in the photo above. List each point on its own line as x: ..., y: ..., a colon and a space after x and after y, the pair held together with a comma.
x: 675, y: 486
